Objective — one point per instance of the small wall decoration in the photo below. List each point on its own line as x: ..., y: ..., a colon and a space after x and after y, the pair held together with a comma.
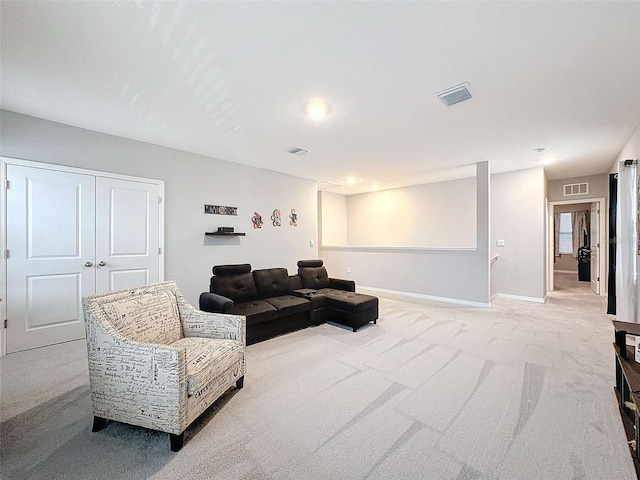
x: 276, y: 218
x: 220, y: 210
x: 256, y: 220
x: 293, y: 218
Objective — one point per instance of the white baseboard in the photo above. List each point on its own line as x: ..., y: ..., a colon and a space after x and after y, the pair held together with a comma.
x: 431, y: 298
x: 575, y: 272
x: 521, y: 297
x: 408, y: 296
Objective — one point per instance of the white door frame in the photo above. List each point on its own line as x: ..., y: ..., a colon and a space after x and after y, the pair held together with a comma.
x: 602, y: 240
x: 4, y: 161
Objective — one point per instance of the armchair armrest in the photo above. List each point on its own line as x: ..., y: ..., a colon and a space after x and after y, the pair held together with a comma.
x: 340, y: 284
x: 215, y: 325
x: 212, y: 302
x: 134, y: 382
x: 196, y: 323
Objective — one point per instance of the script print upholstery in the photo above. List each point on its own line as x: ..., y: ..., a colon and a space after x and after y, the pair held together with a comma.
x: 139, y: 356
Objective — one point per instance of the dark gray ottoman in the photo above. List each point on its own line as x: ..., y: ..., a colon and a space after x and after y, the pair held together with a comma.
x: 351, y: 309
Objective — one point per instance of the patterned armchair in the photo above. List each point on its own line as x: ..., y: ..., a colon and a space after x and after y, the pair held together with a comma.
x: 157, y: 362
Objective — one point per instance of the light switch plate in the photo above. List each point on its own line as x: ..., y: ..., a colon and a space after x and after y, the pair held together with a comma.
x: 499, y: 243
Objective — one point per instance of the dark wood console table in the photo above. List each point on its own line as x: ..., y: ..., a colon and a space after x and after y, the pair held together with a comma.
x: 628, y: 384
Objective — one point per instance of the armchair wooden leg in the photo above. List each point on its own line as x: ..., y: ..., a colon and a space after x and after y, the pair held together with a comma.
x: 176, y: 441
x: 98, y: 424
x: 240, y: 382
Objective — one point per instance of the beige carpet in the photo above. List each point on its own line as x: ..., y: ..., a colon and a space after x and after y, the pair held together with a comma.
x: 516, y: 391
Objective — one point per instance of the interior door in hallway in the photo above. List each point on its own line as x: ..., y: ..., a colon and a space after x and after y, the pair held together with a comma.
x: 51, y: 250
x: 594, y: 239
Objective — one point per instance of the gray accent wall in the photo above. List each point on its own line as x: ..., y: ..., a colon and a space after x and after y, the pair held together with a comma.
x: 191, y: 181
x: 518, y: 218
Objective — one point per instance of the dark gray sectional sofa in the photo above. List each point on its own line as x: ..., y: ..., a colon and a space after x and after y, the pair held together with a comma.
x: 339, y: 301
x: 275, y: 302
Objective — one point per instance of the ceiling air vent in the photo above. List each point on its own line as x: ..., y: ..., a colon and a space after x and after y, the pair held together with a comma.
x: 297, y: 151
x: 455, y: 95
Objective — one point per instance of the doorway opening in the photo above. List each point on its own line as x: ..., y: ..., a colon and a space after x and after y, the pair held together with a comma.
x: 576, y: 246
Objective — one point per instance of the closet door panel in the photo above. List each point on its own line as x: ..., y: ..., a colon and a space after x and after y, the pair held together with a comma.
x: 50, y: 238
x: 127, y: 236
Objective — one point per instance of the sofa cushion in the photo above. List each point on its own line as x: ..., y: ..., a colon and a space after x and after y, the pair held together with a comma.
x: 256, y: 311
x: 351, y: 301
x: 231, y: 269
x: 295, y: 282
x: 314, y: 277
x: 271, y: 282
x: 207, y: 358
x: 310, y: 263
x: 289, y: 304
x: 239, y: 287
x: 327, y: 291
x: 152, y: 318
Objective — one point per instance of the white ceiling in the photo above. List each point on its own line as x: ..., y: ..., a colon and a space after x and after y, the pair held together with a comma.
x: 230, y: 80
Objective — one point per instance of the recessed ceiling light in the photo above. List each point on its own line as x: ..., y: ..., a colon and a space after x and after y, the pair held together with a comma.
x: 318, y: 110
x: 374, y: 188
x: 547, y: 160
x: 352, y: 180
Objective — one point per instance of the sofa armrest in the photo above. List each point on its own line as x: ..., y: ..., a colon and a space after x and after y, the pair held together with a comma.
x: 340, y: 284
x: 212, y: 302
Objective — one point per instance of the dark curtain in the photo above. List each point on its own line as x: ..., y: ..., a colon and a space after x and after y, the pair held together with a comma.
x: 613, y: 207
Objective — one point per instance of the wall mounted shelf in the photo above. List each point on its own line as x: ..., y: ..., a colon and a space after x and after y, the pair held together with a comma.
x: 226, y: 234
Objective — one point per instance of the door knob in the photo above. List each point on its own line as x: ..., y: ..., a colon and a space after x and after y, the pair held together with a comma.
x: 88, y: 264
x: 102, y: 263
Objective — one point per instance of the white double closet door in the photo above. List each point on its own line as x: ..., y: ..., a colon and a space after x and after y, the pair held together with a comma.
x: 70, y: 235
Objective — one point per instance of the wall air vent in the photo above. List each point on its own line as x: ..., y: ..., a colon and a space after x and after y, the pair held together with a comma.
x: 297, y: 151
x: 575, y: 189
x: 454, y: 95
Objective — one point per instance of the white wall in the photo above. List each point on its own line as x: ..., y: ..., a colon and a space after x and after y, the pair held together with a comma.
x: 455, y: 274
x: 332, y: 212
x: 438, y: 215
x: 190, y: 182
x: 518, y: 218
